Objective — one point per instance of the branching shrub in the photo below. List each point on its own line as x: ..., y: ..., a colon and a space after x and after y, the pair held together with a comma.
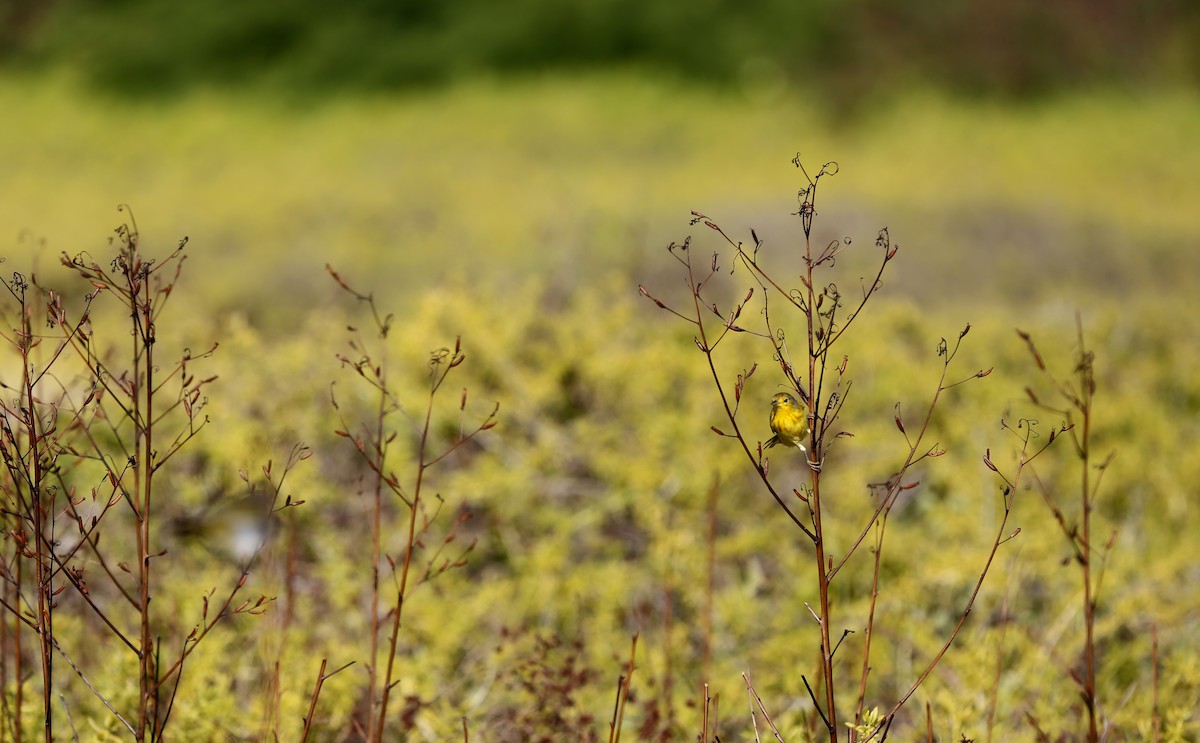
x: 420, y: 558
x: 800, y: 327
x: 86, y: 443
x: 1073, y: 401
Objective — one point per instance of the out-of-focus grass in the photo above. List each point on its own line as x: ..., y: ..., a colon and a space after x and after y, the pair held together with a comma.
x: 1076, y: 199
x: 483, y: 180
x: 1097, y: 157
x: 563, y: 176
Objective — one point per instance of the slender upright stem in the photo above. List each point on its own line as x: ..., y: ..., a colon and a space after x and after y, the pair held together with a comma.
x: 1079, y: 402
x: 823, y: 587
x: 816, y: 353
x: 1089, y: 607
x: 408, y: 553
x: 377, y: 551
x: 41, y: 538
x: 18, y: 696
x: 143, y: 397
x: 869, y: 628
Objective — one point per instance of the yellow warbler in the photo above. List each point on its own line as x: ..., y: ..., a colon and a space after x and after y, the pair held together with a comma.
x: 788, y: 421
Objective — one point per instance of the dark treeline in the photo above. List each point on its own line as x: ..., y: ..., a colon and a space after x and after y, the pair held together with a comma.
x: 847, y: 48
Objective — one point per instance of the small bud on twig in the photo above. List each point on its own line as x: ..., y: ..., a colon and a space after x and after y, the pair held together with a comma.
x: 1037, y: 357
x: 646, y: 294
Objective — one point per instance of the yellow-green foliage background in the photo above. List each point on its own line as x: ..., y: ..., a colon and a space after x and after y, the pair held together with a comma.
x: 521, y: 216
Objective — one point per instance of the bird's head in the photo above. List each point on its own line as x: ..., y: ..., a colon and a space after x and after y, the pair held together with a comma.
x: 783, y: 399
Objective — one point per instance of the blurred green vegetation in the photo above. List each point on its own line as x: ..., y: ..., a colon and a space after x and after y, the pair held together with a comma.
x: 847, y: 50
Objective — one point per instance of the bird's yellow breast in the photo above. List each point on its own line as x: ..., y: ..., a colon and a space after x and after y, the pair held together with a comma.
x: 789, y: 421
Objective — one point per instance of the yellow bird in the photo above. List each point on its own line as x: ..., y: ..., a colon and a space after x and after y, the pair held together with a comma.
x: 788, y: 421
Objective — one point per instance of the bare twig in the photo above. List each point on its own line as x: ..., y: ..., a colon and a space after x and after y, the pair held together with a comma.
x: 756, y: 701
x: 322, y: 677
